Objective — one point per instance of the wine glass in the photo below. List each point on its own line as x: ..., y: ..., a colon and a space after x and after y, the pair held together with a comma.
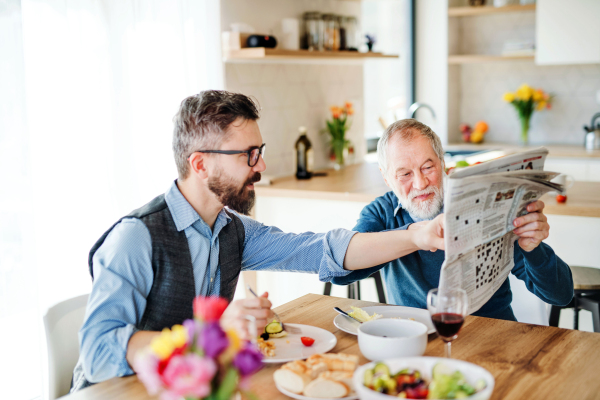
x: 448, y: 312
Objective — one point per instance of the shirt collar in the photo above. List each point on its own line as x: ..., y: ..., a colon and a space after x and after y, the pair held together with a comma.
x: 184, y: 214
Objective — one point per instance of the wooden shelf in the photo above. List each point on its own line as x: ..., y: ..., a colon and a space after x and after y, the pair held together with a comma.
x: 483, y: 10
x: 261, y: 53
x: 481, y: 58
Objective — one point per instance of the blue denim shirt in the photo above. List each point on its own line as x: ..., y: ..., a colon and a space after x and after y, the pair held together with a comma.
x: 409, y: 278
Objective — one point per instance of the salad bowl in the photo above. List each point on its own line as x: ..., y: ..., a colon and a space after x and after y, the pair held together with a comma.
x: 472, y: 373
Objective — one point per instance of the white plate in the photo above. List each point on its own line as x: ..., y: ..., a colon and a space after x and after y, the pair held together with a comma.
x: 353, y: 395
x: 290, y: 347
x: 350, y: 326
x: 472, y: 373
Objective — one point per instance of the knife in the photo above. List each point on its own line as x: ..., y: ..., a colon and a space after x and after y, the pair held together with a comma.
x: 346, y: 314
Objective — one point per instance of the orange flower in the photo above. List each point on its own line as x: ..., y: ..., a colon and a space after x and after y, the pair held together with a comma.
x: 333, y: 109
x: 348, y: 105
x: 337, y: 114
x: 350, y: 111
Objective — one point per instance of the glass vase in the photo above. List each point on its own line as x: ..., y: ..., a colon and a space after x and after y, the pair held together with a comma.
x: 524, y: 129
x: 340, y: 153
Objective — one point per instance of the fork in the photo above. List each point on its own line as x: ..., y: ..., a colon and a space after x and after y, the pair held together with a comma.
x: 290, y: 329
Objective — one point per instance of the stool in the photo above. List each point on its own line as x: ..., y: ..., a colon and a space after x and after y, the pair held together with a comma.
x: 354, y: 288
x: 586, y: 282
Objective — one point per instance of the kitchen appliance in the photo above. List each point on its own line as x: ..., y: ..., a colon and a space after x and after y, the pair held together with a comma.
x: 592, y: 137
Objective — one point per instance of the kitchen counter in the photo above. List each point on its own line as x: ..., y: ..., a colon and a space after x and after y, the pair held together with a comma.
x: 555, y: 150
x: 363, y: 183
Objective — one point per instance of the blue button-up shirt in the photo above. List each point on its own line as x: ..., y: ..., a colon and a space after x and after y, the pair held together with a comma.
x: 123, y: 274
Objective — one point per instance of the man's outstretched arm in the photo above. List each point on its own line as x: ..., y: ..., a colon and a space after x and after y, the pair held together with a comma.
x: 369, y: 249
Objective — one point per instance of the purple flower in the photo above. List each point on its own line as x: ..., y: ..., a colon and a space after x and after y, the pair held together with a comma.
x: 212, y: 339
x: 248, y: 361
x: 192, y: 327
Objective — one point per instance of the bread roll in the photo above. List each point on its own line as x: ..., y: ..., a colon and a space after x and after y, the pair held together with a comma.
x: 317, y: 369
x: 326, y: 388
x: 292, y: 376
x: 341, y: 376
x: 335, y: 362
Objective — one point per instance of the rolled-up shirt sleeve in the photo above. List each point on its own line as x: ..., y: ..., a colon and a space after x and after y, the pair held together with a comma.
x: 123, y: 277
x: 369, y: 221
x: 268, y: 248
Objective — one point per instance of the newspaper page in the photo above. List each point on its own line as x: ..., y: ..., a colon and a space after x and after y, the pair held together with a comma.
x: 481, y: 203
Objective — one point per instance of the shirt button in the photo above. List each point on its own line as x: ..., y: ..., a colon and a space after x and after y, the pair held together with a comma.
x: 211, y: 279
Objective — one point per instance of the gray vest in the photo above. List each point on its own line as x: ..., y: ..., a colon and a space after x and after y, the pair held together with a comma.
x: 173, y: 289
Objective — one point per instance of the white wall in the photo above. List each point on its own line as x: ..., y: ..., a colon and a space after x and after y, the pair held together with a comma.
x: 432, y: 63
x: 293, y: 95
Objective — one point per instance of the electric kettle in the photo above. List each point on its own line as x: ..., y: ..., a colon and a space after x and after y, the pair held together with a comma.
x: 592, y: 137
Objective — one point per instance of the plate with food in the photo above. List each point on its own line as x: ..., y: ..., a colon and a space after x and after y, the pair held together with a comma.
x: 423, y: 378
x: 296, y: 342
x: 365, y: 314
x: 321, y: 376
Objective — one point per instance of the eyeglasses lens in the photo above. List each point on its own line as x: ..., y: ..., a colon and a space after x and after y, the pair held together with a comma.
x: 255, y: 154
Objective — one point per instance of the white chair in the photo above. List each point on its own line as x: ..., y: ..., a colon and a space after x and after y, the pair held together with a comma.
x: 62, y: 323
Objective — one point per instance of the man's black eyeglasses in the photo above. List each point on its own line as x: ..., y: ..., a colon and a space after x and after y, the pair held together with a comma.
x: 254, y: 153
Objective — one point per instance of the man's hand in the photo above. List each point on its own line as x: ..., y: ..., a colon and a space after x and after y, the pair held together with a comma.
x: 235, y: 315
x: 533, y: 227
x: 429, y: 235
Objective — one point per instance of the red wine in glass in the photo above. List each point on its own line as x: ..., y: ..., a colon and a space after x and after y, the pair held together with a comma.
x: 448, y: 311
x: 447, y: 325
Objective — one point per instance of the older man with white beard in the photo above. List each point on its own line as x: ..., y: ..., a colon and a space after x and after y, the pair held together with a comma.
x: 410, y: 158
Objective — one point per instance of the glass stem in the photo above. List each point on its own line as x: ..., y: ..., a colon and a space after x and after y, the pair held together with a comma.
x: 448, y: 351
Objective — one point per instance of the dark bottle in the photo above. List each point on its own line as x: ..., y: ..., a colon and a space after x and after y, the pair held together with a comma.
x: 304, y: 156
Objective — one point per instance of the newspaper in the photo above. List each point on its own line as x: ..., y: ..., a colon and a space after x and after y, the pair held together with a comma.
x: 480, y: 205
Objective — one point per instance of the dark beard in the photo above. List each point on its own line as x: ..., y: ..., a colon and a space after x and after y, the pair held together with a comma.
x: 229, y: 195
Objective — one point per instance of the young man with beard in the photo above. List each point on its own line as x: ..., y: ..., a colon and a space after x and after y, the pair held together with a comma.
x: 410, y: 158
x: 148, y: 267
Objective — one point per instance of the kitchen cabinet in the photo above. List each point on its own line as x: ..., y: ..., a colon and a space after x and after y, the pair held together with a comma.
x: 567, y: 32
x: 581, y: 169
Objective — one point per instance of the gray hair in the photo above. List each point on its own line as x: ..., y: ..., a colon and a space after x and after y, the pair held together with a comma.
x: 407, y: 129
x: 202, y: 123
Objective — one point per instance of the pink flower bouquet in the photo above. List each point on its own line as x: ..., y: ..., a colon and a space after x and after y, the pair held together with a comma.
x: 198, y: 359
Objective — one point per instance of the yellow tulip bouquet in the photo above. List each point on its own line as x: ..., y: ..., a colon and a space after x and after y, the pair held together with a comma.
x: 526, y: 100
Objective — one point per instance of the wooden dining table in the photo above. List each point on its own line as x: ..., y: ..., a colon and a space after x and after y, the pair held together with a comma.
x: 527, y: 361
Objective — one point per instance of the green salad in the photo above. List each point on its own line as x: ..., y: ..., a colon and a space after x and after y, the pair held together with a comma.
x: 446, y: 383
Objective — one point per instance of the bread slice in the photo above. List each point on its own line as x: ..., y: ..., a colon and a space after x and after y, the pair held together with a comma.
x: 315, y: 370
x: 335, y: 362
x: 293, y: 377
x: 326, y: 389
x: 341, y: 376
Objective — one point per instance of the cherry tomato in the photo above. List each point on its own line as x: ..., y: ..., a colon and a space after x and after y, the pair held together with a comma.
x: 307, y: 341
x: 560, y: 198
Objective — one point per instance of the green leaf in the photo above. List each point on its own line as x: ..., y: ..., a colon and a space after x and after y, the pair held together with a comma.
x: 228, y: 385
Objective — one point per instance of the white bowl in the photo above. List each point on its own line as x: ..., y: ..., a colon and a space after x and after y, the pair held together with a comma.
x: 424, y: 365
x: 389, y: 338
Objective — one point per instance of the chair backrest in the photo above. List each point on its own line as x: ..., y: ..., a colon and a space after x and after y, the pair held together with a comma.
x: 62, y: 323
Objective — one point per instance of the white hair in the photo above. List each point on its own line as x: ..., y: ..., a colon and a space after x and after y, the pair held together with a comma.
x: 408, y: 129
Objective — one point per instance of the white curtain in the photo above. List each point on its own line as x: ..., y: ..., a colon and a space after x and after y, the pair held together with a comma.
x: 88, y: 89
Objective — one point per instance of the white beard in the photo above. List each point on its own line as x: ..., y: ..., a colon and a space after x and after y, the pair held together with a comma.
x: 422, y: 209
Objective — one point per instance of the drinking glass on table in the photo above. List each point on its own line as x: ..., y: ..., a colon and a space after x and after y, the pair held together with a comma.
x: 448, y: 312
